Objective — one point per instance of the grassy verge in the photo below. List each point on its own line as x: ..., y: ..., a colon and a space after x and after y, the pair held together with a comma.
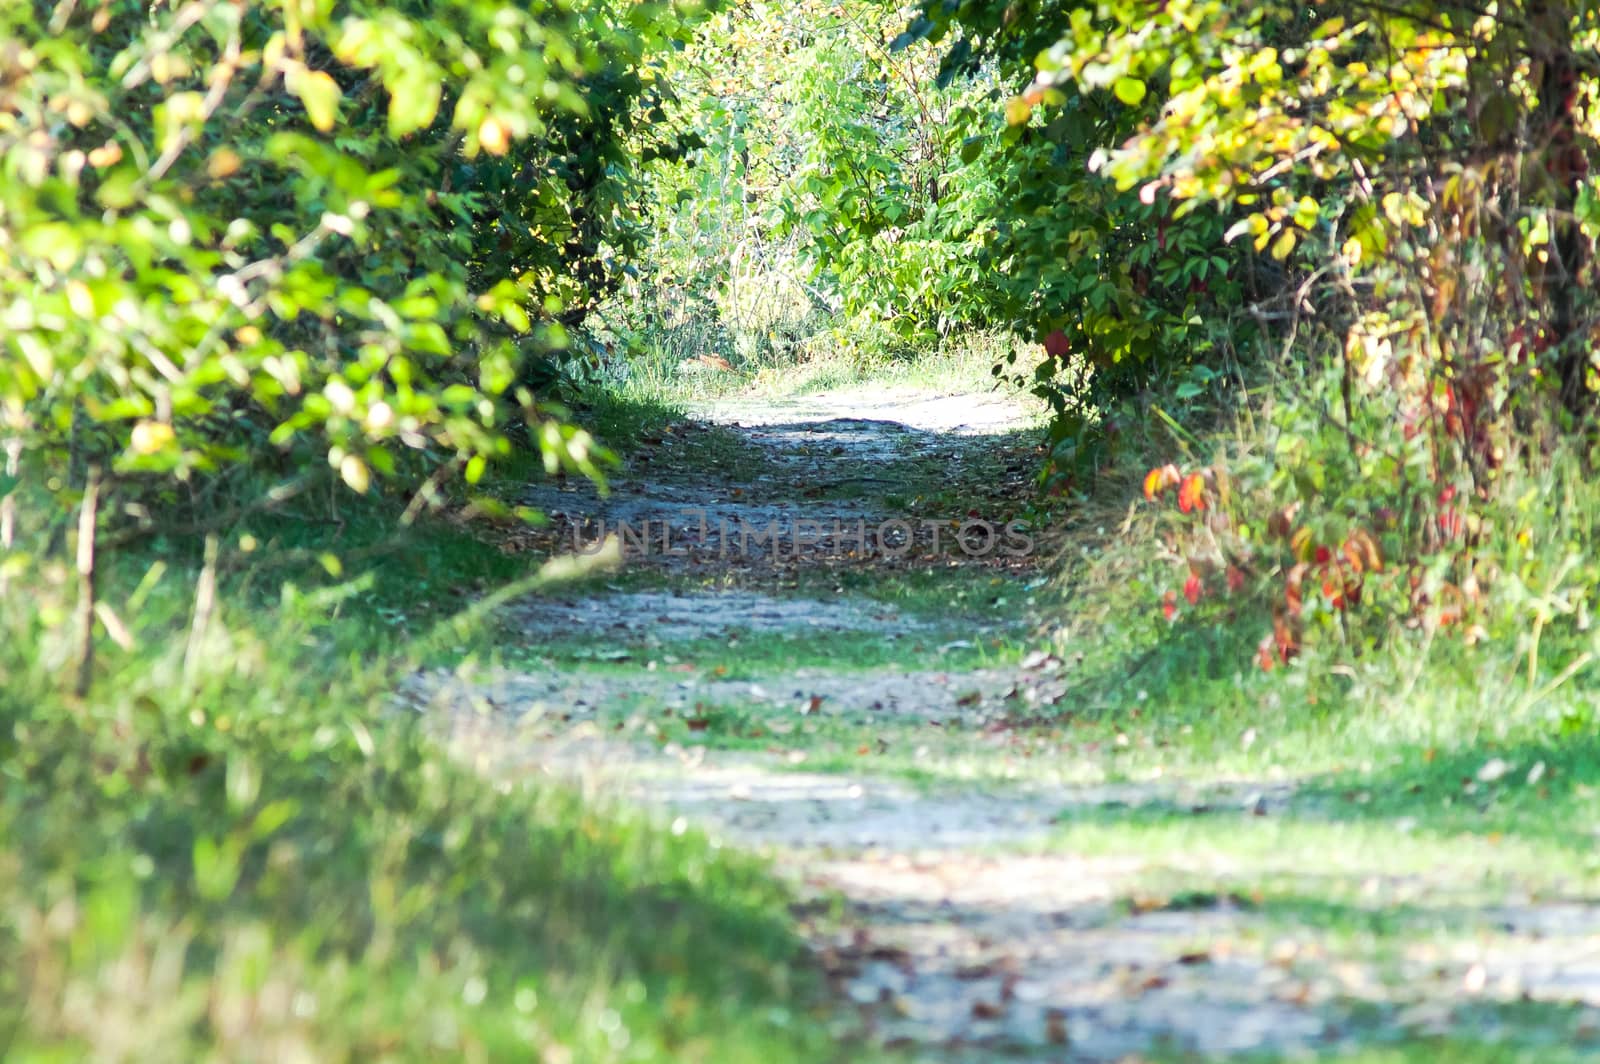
x: 233, y: 847
x: 962, y: 365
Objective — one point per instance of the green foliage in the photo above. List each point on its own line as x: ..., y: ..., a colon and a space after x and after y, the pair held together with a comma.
x: 825, y: 208
x: 889, y: 220
x: 1124, y: 292
x: 1392, y: 202
x: 1400, y: 168
x: 229, y: 227
x: 716, y: 278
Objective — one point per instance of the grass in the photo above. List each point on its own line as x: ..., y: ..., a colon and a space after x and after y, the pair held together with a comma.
x: 234, y: 847
x: 1568, y: 1038
x: 961, y: 366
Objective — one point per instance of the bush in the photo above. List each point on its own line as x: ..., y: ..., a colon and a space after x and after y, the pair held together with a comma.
x: 238, y: 230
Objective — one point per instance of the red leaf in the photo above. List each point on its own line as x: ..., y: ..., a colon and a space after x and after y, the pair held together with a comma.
x: 1159, y: 480
x: 1192, y: 493
x: 1283, y: 635
x: 1266, y: 655
x: 1323, y: 556
x: 1192, y: 589
x: 1169, y: 605
x: 1235, y: 578
x: 1450, y: 523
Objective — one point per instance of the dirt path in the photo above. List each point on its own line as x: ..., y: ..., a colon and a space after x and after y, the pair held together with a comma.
x: 744, y: 692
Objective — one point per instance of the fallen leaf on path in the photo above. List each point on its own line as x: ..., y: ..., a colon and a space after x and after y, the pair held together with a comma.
x: 1043, y: 660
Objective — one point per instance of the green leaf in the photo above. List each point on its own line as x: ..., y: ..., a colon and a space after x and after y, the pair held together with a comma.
x: 320, y: 94
x: 413, y: 103
x: 56, y: 242
x: 216, y: 867
x: 1129, y: 90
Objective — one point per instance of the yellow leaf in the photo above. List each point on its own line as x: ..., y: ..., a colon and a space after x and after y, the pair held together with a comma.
x: 150, y: 437
x: 355, y: 474
x: 224, y: 162
x: 108, y: 154
x: 1283, y: 245
x: 80, y: 299
x: 320, y: 94
x: 493, y: 136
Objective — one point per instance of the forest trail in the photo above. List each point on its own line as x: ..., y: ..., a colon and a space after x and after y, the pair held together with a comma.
x: 884, y: 729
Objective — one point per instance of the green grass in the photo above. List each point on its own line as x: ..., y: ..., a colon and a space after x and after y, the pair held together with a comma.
x: 962, y: 365
x: 235, y: 847
x: 1567, y: 1036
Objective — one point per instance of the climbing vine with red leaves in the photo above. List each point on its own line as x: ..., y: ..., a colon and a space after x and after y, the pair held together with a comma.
x: 1231, y: 547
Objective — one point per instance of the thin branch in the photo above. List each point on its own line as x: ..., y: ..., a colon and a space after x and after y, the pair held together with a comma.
x: 205, y: 599
x: 87, y: 512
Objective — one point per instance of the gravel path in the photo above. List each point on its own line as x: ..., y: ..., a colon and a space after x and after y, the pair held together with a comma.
x: 965, y: 934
